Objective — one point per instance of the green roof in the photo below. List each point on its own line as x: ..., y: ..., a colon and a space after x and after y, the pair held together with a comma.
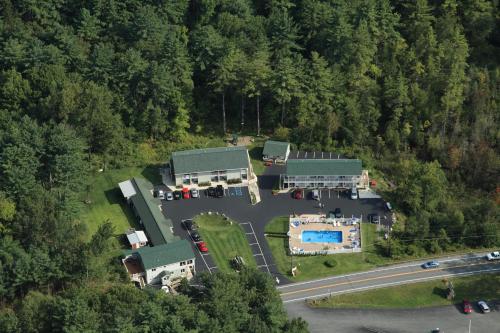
x: 156, y: 224
x: 340, y: 167
x: 275, y: 148
x: 165, y: 254
x: 209, y: 159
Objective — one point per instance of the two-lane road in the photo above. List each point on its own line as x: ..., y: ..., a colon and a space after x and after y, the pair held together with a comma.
x: 387, y: 276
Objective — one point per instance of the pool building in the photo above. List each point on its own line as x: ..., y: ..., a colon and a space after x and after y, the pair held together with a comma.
x: 319, y: 234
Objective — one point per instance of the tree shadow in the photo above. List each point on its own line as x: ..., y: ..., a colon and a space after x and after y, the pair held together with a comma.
x: 439, y: 291
x: 152, y: 173
x: 256, y: 153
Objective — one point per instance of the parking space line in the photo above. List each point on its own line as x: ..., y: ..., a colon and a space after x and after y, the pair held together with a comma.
x: 254, y: 244
x: 259, y: 254
x: 248, y: 233
x: 261, y: 266
x: 244, y: 222
x: 262, y: 253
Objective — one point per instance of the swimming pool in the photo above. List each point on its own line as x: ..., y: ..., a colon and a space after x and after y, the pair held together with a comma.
x: 322, y: 236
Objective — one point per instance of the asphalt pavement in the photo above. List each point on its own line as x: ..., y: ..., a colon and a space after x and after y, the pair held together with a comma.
x: 449, y: 319
x: 236, y: 205
x: 386, y: 276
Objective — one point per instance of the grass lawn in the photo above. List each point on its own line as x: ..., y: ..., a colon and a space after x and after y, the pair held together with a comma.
x: 423, y: 294
x: 107, y: 201
x: 224, y: 240
x: 311, y: 267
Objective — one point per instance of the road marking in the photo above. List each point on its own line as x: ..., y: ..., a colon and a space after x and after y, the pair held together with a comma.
x: 248, y: 233
x: 389, y: 284
x: 244, y: 223
x: 378, y: 278
x: 259, y: 254
x: 262, y: 253
x: 254, y: 244
x: 380, y: 270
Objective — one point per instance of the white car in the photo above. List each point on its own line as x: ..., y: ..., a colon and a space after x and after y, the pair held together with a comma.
x: 493, y: 256
x: 483, y: 306
x: 354, y: 193
x: 195, y: 193
x: 169, y: 196
x: 161, y: 194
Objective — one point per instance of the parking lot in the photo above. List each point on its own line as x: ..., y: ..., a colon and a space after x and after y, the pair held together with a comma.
x: 236, y: 205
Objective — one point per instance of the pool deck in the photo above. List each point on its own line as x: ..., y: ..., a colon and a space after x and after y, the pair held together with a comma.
x: 300, y: 223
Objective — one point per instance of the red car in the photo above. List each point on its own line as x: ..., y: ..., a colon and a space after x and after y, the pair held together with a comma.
x: 186, y: 195
x: 467, y: 306
x: 268, y: 163
x: 297, y: 194
x: 202, y: 246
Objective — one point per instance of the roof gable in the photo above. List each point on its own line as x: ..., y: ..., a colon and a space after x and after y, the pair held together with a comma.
x: 210, y: 159
x: 340, y: 167
x: 275, y: 148
x: 165, y: 254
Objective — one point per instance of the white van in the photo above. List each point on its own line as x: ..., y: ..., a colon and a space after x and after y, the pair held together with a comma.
x: 354, y: 193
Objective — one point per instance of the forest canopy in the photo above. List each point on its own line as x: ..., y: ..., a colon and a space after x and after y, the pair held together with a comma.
x: 410, y: 86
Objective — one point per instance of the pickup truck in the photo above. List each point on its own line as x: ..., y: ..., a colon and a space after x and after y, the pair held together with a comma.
x: 493, y: 256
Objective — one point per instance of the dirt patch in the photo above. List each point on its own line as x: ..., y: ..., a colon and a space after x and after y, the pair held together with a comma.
x: 242, y: 140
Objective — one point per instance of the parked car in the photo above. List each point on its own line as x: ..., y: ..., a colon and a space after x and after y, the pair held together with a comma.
x: 268, y: 163
x: 202, y: 247
x: 189, y: 225
x: 177, y: 195
x: 297, y: 194
x: 337, y: 212
x: 467, y: 306
x: 195, y: 193
x: 219, y: 191
x: 493, y: 256
x: 483, y: 306
x: 354, y: 193
x: 196, y: 236
x: 161, y: 194
x: 186, y: 195
x: 169, y: 196
x: 388, y: 206
x: 315, y: 195
x: 430, y: 264
x: 211, y: 192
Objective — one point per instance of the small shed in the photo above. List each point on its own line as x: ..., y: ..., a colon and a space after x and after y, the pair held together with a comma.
x: 136, y: 238
x: 276, y: 151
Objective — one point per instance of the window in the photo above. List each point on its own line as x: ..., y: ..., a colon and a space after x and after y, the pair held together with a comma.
x: 182, y: 263
x: 183, y: 270
x: 190, y: 261
x: 154, y: 269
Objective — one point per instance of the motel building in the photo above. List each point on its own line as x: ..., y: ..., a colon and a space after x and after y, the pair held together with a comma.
x: 209, y: 167
x: 157, y: 257
x: 161, y: 265
x: 324, y: 173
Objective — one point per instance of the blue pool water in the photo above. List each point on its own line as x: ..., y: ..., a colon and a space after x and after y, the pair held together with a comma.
x: 323, y: 236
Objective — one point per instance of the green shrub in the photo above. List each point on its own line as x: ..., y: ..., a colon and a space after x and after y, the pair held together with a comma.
x: 331, y: 263
x: 234, y: 181
x: 204, y: 184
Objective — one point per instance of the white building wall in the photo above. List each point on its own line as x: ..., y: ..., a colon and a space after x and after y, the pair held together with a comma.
x: 153, y: 276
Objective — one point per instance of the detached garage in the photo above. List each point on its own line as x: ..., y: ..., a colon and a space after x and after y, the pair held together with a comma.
x: 276, y: 151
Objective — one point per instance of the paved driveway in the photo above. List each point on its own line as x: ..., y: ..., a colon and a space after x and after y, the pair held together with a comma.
x: 236, y: 205
x: 448, y: 318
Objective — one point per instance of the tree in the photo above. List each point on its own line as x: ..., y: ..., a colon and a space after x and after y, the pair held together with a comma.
x: 224, y: 76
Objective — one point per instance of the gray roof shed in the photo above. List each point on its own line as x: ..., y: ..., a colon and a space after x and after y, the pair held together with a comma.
x: 275, y: 148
